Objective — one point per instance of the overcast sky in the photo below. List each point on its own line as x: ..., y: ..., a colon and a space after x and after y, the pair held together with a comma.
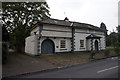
x: 86, y: 11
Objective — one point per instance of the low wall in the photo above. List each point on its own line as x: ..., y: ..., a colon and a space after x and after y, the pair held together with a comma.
x: 31, y: 45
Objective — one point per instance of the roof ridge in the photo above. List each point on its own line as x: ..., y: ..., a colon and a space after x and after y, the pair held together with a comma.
x: 75, y: 22
x: 69, y: 23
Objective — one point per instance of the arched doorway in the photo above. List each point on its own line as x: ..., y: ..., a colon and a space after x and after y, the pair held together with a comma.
x: 47, y: 46
x: 96, y: 45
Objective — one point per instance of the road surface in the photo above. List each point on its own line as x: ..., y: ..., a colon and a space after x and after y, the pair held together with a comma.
x: 105, y: 68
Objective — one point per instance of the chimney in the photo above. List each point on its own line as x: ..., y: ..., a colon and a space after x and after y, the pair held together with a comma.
x: 66, y: 19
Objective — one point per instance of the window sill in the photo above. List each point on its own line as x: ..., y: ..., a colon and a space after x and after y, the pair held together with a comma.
x: 63, y: 49
x: 82, y: 48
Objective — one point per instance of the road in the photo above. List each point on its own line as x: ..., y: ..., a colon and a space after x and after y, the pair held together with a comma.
x: 105, y: 68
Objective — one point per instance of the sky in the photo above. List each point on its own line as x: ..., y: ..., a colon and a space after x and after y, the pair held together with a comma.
x: 86, y: 11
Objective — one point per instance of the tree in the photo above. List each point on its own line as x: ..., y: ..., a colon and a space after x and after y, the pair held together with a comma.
x: 103, y: 26
x: 5, y: 34
x: 19, y: 17
x: 111, y: 39
x: 118, y: 32
x: 5, y: 39
x: 118, y: 28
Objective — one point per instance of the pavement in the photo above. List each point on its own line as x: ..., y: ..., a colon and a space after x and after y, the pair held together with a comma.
x: 104, y: 68
x: 21, y: 64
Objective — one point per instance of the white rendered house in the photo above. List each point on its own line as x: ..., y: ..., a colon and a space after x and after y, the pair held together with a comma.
x: 56, y: 36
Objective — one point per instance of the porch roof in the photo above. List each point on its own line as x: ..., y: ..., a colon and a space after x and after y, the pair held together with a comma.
x: 92, y: 36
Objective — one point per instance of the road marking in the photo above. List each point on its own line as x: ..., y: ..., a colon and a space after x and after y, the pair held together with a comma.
x: 107, y: 69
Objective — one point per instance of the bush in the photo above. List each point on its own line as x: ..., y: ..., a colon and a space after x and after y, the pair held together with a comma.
x: 4, y: 52
x: 107, y: 52
x: 92, y: 54
x: 117, y: 50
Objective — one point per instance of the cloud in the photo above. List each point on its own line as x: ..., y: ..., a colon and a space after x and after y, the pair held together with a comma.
x: 87, y: 11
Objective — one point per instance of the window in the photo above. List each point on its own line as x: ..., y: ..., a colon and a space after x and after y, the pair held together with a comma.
x: 81, y: 43
x: 62, y: 44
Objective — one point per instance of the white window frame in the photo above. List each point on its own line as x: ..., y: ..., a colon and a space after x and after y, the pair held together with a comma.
x: 82, y: 46
x: 61, y: 44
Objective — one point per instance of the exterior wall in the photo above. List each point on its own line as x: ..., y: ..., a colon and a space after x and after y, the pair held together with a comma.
x: 78, y: 37
x: 82, y: 34
x: 103, y: 42
x: 56, y: 34
x: 87, y: 31
x: 57, y: 44
x: 56, y: 31
x: 88, y: 44
x: 35, y: 30
x: 55, y: 27
x: 31, y: 45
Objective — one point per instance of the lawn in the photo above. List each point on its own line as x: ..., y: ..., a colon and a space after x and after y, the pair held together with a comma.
x: 19, y: 63
x: 68, y: 59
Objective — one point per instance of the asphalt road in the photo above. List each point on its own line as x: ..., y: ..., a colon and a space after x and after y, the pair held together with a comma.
x: 105, y: 68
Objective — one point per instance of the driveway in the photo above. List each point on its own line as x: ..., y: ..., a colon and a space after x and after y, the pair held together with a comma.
x: 21, y: 64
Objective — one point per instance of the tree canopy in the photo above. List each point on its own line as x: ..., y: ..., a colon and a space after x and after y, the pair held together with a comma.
x: 5, y: 34
x: 25, y: 14
x: 113, y: 39
x: 19, y: 17
x: 118, y: 28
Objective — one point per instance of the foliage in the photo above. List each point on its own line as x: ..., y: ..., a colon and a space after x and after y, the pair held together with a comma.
x: 117, y: 50
x: 5, y: 39
x: 92, y: 54
x: 5, y: 34
x: 4, y: 52
x: 118, y: 28
x: 106, y: 52
x: 19, y: 17
x: 111, y: 39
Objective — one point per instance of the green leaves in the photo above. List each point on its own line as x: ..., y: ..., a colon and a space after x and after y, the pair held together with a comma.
x: 23, y: 12
x: 118, y: 28
x: 19, y: 17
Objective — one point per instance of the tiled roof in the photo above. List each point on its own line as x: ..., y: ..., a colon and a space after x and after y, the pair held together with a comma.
x: 70, y: 24
x: 93, y: 36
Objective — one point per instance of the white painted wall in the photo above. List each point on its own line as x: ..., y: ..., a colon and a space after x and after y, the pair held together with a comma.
x: 103, y: 44
x: 87, y: 42
x: 31, y: 45
x: 57, y: 43
x: 89, y: 31
x: 55, y: 27
x: 78, y: 37
x: 54, y: 31
x: 56, y: 34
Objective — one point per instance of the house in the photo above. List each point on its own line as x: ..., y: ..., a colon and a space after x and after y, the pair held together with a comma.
x: 57, y: 36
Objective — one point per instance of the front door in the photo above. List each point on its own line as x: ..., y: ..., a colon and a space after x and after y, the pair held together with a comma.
x: 47, y: 46
x: 96, y: 45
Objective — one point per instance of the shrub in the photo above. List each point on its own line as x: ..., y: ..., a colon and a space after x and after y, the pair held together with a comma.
x: 117, y: 50
x: 107, y: 52
x: 4, y: 52
x: 92, y: 54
